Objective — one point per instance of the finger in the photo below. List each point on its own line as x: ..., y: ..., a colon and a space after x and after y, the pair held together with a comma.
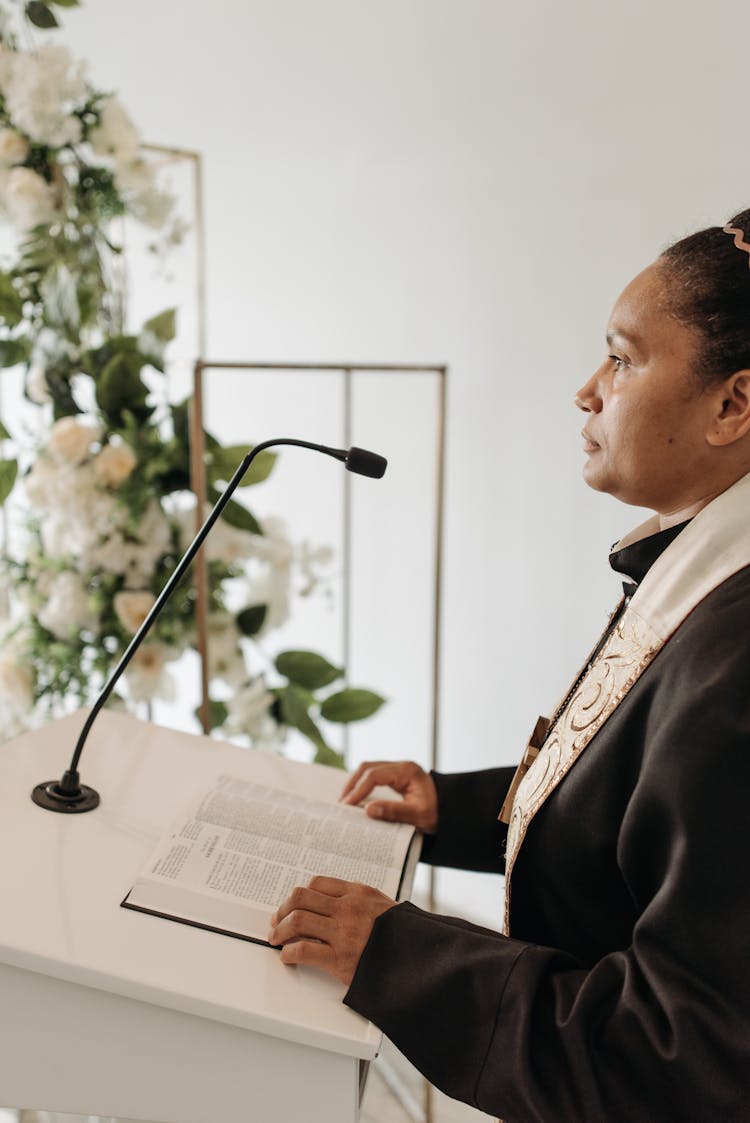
x: 355, y: 777
x: 393, y: 810
x: 383, y: 773
x: 306, y: 898
x: 309, y: 953
x: 331, y: 887
x: 301, y: 925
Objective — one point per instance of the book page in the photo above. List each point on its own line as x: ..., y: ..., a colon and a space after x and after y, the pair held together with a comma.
x: 246, y: 844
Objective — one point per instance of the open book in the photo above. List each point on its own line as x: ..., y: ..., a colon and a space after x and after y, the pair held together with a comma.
x: 242, y: 847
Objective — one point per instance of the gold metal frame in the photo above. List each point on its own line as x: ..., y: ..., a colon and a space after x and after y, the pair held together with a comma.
x: 198, y: 482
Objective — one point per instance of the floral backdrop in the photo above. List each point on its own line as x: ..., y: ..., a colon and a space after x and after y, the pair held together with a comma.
x: 96, y: 477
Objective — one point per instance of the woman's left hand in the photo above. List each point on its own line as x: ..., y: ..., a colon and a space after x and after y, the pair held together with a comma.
x: 327, y: 924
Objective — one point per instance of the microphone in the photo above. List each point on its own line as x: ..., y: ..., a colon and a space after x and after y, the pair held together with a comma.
x: 68, y: 795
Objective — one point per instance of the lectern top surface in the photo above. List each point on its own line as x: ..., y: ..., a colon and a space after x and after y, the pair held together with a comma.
x: 62, y: 878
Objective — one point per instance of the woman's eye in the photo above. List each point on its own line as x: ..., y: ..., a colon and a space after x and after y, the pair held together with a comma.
x: 619, y: 363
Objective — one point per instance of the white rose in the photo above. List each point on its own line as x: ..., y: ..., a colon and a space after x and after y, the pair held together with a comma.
x: 36, y: 385
x: 147, y: 676
x: 41, y: 89
x: 152, y: 208
x: 225, y: 658
x: 41, y: 482
x: 132, y: 608
x: 16, y: 683
x: 114, y: 464
x: 67, y: 609
x: 14, y: 148
x: 115, y: 135
x: 248, y: 711
x: 71, y: 439
x: 28, y: 199
x: 134, y: 176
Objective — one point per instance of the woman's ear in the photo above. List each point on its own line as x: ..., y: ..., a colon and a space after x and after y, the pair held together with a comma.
x: 731, y: 420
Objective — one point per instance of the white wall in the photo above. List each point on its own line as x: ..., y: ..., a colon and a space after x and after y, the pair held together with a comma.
x: 469, y: 182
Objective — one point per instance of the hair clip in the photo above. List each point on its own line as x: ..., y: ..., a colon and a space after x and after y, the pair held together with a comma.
x: 739, y: 239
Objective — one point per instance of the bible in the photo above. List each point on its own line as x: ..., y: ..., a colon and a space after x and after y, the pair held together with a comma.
x: 241, y: 847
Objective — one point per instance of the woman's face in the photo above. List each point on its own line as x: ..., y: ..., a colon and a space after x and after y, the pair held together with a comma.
x: 648, y: 415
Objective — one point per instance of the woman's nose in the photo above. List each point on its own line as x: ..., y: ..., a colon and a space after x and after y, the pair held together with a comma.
x: 589, y: 397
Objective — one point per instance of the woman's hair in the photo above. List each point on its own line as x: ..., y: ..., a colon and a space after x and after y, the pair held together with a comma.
x: 708, y: 289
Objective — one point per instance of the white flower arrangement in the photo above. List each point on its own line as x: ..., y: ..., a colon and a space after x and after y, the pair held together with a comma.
x: 105, y: 485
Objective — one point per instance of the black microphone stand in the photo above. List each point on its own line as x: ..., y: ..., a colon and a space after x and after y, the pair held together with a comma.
x: 68, y: 795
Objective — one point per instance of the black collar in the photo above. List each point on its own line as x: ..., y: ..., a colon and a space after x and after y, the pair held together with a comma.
x: 634, y: 561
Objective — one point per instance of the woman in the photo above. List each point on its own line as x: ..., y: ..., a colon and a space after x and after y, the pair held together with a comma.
x: 620, y: 989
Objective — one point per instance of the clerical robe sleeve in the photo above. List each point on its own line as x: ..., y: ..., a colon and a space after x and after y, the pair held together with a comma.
x: 654, y: 1031
x: 469, y: 836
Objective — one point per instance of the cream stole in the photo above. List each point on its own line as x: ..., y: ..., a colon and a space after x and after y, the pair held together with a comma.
x: 710, y: 549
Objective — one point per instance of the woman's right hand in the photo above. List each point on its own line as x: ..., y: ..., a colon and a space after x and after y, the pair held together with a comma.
x: 418, y: 805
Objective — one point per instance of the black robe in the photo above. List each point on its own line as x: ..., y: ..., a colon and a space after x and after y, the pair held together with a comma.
x: 623, y: 994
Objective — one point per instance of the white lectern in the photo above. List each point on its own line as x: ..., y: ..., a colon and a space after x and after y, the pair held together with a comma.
x: 105, y: 1011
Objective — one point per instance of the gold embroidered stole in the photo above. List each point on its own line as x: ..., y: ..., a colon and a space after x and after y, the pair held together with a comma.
x: 710, y: 549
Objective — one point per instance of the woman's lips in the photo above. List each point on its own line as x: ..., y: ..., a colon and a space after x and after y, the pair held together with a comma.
x: 589, y: 444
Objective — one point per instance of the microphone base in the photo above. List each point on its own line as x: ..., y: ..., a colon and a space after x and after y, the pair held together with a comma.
x: 51, y: 798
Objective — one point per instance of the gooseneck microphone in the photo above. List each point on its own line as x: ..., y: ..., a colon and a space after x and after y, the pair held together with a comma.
x: 68, y: 795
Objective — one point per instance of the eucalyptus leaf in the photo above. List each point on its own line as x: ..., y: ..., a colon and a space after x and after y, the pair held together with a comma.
x: 351, y: 705
x: 8, y: 474
x: 11, y: 304
x: 237, y: 515
x: 251, y: 620
x: 223, y: 463
x: 120, y: 388
x: 326, y: 755
x: 58, y: 385
x: 294, y: 713
x: 65, y: 3
x: 163, y: 326
x: 217, y: 713
x: 14, y: 351
x: 307, y: 669
x: 40, y: 15
x: 4, y: 434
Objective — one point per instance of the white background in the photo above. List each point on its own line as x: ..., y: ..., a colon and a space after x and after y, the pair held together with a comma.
x: 470, y: 183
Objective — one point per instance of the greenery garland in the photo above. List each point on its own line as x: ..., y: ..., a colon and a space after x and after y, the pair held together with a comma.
x: 103, y: 481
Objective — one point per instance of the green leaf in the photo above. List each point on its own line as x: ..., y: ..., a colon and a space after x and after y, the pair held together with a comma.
x: 223, y: 463
x: 307, y: 669
x: 217, y: 713
x: 351, y: 705
x: 65, y: 3
x: 11, y: 304
x: 4, y: 434
x: 14, y: 351
x: 294, y: 712
x: 8, y: 474
x: 163, y: 326
x: 237, y: 515
x: 62, y: 395
x: 120, y: 388
x: 330, y: 757
x: 40, y: 15
x: 251, y: 620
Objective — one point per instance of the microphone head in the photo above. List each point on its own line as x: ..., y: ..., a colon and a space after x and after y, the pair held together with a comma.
x: 366, y: 463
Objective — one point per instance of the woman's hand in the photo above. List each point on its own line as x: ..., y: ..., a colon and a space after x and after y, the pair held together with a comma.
x: 418, y: 805
x: 327, y: 924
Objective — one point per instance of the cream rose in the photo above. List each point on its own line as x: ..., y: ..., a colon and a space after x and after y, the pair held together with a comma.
x: 114, y: 464
x: 71, y: 439
x: 29, y: 199
x: 132, y: 608
x: 16, y: 683
x: 14, y: 148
